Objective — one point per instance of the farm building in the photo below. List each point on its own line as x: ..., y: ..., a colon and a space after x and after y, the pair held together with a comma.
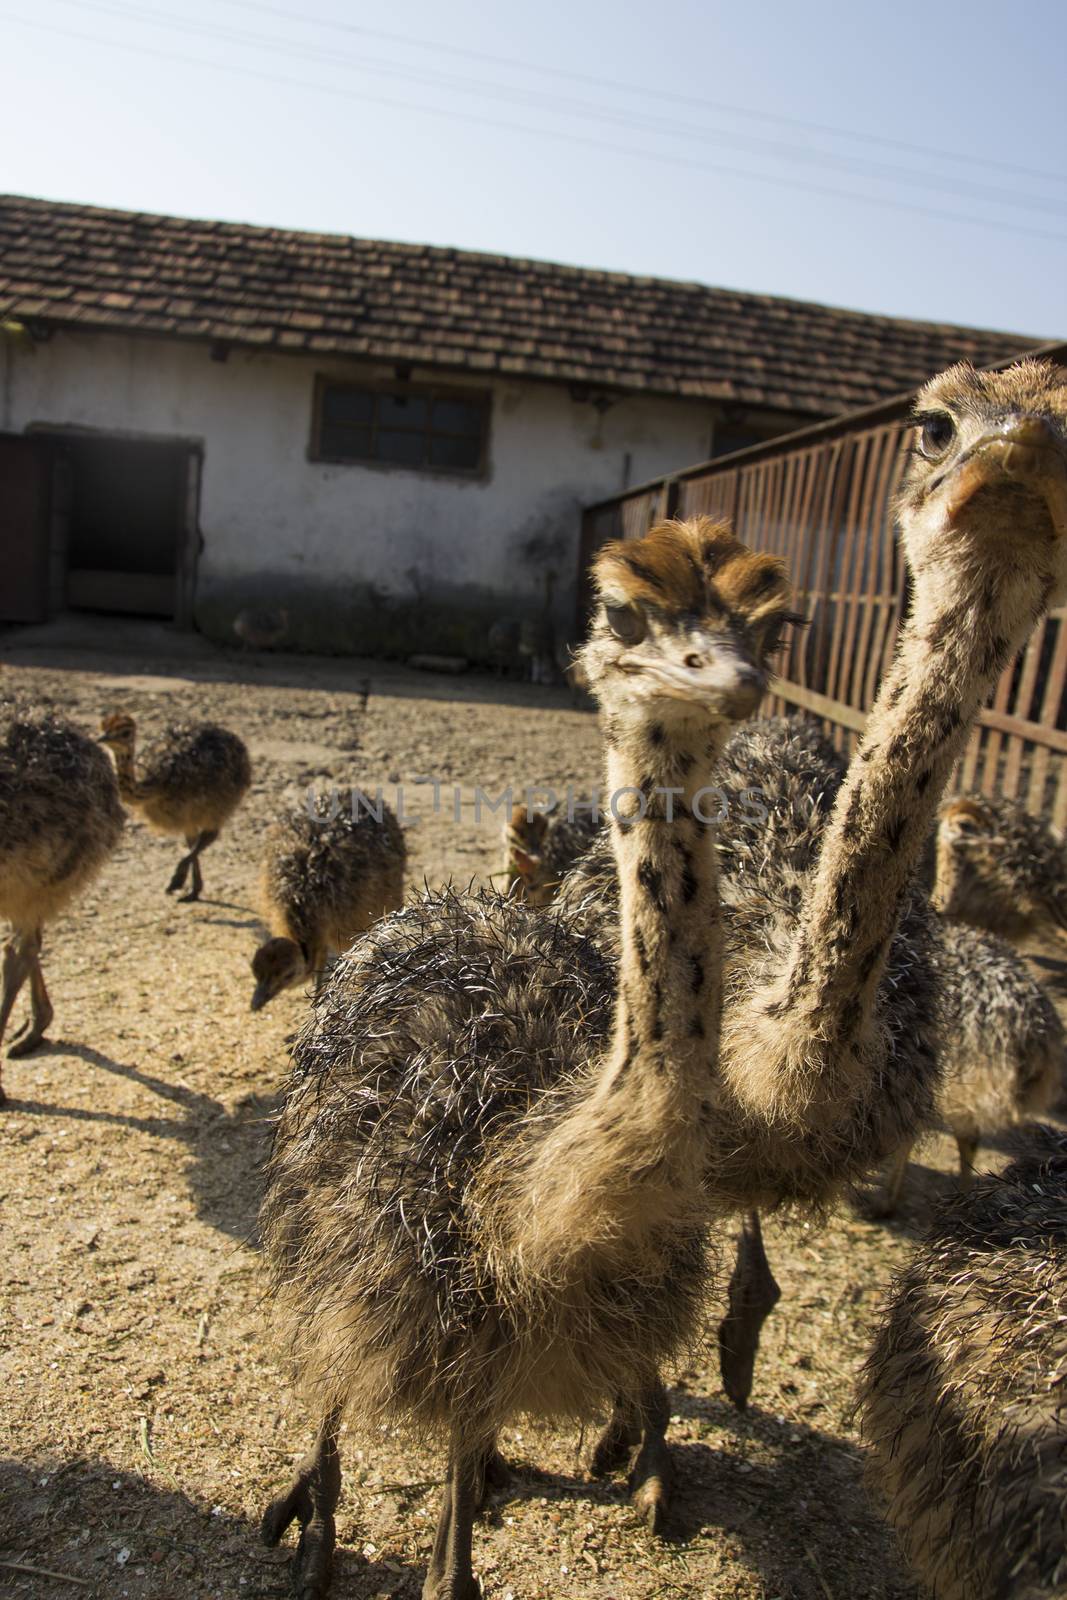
x: 393, y: 441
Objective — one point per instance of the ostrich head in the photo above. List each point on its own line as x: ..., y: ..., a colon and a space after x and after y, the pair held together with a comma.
x: 686, y: 621
x: 985, y: 494
x: 119, y: 731
x: 277, y: 965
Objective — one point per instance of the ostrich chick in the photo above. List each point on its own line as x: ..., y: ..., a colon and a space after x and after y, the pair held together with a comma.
x: 60, y: 818
x: 1001, y: 869
x: 964, y: 1394
x: 191, y: 781
x: 485, y: 1197
x: 540, y: 847
x: 1001, y: 1047
x: 326, y: 879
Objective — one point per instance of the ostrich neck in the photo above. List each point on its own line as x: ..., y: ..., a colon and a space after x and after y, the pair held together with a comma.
x: 957, y: 641
x: 668, y: 1006
x: 126, y: 771
x: 622, y: 1164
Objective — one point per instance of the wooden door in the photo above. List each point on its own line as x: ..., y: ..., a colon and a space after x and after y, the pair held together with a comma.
x: 24, y: 528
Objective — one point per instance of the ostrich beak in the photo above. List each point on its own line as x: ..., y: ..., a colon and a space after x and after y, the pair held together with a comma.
x: 1026, y: 451
x: 260, y: 996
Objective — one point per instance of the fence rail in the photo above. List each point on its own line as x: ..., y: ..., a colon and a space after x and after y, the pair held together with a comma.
x: 823, y: 498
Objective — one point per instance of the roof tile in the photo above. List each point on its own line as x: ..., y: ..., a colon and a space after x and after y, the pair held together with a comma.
x: 175, y: 276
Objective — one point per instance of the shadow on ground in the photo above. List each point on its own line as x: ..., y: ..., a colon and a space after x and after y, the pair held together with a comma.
x: 227, y: 1149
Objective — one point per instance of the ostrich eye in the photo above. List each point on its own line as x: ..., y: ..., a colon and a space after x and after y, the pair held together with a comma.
x: 627, y: 623
x: 936, y: 434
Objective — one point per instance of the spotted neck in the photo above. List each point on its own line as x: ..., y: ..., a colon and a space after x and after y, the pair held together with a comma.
x: 624, y: 1162
x: 814, y: 1025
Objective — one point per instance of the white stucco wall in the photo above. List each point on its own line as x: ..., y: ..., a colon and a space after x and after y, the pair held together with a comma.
x: 273, y: 521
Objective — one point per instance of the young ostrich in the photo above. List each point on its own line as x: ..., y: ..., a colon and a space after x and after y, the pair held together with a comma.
x: 541, y: 846
x: 191, y: 781
x: 829, y: 1027
x: 774, y: 790
x: 1002, y: 1047
x: 485, y: 1191
x: 829, y: 1047
x: 1001, y: 869
x: 60, y: 819
x: 326, y: 879
x: 963, y: 1395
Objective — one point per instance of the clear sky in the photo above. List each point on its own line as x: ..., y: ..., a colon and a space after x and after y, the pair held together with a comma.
x: 813, y: 148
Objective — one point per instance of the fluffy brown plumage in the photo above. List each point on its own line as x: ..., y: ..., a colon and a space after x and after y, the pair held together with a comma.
x: 60, y: 818
x: 191, y: 781
x: 483, y: 1197
x: 1001, y: 1046
x: 328, y: 875
x: 1001, y: 869
x: 964, y: 1395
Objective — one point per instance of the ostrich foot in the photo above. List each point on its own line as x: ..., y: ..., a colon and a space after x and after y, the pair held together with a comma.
x: 650, y: 1482
x: 193, y: 894
x: 311, y: 1499
x: 26, y: 1039
x: 617, y: 1443
x: 753, y: 1295
x: 179, y: 875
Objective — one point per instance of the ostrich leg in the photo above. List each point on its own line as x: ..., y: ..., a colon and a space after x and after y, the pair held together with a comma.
x: 637, y: 1434
x: 202, y: 840
x: 181, y: 871
x: 16, y: 969
x: 968, y: 1149
x: 312, y: 1499
x: 651, y: 1472
x: 753, y: 1295
x: 618, y: 1441
x: 885, y: 1204
x: 450, y: 1575
x: 31, y: 1033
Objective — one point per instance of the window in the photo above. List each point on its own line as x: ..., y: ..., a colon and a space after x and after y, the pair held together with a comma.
x: 423, y: 429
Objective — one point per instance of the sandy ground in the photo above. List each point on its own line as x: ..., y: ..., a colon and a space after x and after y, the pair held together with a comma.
x: 143, y: 1420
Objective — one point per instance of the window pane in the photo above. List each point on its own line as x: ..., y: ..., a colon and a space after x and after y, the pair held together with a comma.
x: 459, y: 454
x: 458, y: 416
x: 346, y: 405
x: 343, y: 443
x: 402, y: 410
x: 408, y: 449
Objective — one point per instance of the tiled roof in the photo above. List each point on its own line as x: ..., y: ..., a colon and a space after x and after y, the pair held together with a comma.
x: 326, y: 294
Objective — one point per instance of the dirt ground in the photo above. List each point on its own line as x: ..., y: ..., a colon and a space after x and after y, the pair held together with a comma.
x: 144, y: 1423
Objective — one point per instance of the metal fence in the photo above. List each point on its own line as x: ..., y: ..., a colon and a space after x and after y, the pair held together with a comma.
x: 823, y: 499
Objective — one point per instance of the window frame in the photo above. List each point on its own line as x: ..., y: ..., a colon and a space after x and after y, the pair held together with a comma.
x: 414, y: 391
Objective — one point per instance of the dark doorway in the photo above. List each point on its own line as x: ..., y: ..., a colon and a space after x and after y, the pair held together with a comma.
x: 25, y: 506
x: 125, y: 506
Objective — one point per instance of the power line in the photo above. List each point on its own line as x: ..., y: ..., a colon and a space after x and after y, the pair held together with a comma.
x: 774, y: 149
x: 645, y: 90
x: 571, y: 139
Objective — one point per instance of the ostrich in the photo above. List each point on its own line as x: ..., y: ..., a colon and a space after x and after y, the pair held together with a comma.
x: 829, y: 1058
x: 962, y: 1399
x: 541, y: 846
x: 829, y: 1046
x: 1001, y: 869
x: 1002, y: 1047
x: 484, y: 1196
x: 775, y: 788
x: 191, y: 782
x: 60, y: 819
x: 327, y: 876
